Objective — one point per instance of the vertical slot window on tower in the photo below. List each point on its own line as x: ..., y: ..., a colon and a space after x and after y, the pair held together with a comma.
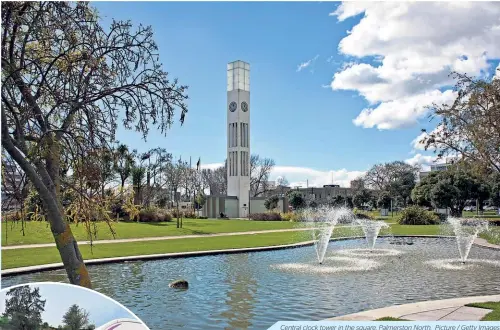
x: 247, y: 163
x: 232, y: 163
x: 247, y: 136
x: 236, y: 163
x: 236, y: 135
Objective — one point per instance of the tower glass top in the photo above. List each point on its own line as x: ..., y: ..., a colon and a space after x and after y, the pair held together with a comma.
x: 238, y: 76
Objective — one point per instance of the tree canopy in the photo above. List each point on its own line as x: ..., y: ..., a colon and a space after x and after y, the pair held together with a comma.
x: 76, y: 318
x: 24, y: 308
x: 67, y: 83
x: 469, y: 128
x: 451, y: 188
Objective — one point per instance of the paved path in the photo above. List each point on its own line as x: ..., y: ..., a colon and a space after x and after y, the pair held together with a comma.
x: 437, y: 310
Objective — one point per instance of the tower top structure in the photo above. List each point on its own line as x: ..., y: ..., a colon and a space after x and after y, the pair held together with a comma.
x: 238, y: 76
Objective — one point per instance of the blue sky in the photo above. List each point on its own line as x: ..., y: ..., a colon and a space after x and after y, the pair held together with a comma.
x: 59, y: 297
x: 310, y: 121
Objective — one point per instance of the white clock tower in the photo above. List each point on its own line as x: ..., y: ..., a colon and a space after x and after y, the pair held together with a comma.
x: 238, y: 134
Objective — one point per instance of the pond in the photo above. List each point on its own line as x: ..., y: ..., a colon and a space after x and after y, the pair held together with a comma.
x: 255, y: 290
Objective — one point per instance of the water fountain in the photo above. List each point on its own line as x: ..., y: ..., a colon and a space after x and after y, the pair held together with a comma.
x: 466, y: 231
x: 323, y: 221
x: 371, y: 229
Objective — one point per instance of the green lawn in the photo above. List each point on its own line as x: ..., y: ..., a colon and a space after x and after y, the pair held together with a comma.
x: 494, y: 315
x: 39, y: 232
x: 37, y: 256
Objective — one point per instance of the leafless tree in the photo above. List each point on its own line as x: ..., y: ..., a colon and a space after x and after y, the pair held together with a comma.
x: 216, y: 180
x: 260, y: 169
x: 65, y: 80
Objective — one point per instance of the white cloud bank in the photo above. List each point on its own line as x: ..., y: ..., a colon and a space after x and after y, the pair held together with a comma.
x: 416, y: 45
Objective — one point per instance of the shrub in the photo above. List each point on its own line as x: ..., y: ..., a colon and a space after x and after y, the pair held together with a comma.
x: 164, y: 216
x: 189, y: 215
x: 153, y: 214
x: 415, y: 215
x: 148, y: 214
x: 290, y: 216
x: 269, y: 216
x: 202, y: 217
x: 362, y: 215
x: 441, y: 216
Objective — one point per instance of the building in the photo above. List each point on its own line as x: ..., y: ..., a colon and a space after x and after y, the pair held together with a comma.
x: 434, y: 168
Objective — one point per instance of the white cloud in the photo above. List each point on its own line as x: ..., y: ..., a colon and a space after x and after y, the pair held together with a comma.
x: 497, y: 72
x: 418, y: 44
x: 306, y: 64
x: 211, y: 166
x: 423, y: 160
x: 401, y: 112
x: 297, y: 176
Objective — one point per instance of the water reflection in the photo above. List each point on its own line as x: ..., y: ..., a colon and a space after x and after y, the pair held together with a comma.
x: 242, y: 289
x: 245, y: 291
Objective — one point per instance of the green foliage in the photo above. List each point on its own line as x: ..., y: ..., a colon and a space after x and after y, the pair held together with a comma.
x: 76, y: 318
x: 272, y: 202
x: 24, y: 308
x: 451, y: 188
x: 296, y: 200
x: 384, y: 200
x: 361, y: 197
x: 362, y: 215
x: 268, y: 216
x: 415, y: 215
x: 200, y: 200
x: 336, y: 201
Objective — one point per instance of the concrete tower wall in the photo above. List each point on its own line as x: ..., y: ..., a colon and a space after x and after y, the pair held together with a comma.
x: 238, y: 134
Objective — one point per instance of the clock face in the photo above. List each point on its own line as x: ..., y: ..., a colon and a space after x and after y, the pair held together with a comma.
x: 244, y: 106
x: 232, y: 106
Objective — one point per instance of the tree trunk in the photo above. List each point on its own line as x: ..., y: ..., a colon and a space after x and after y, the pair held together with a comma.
x: 68, y: 249
x: 47, y: 186
x: 65, y: 241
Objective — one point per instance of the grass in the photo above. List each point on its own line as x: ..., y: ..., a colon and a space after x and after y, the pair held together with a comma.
x: 37, y: 256
x: 39, y: 232
x: 388, y: 318
x: 493, y: 236
x: 494, y: 315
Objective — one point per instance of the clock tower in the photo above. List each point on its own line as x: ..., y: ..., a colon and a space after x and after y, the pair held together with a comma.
x: 238, y: 134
